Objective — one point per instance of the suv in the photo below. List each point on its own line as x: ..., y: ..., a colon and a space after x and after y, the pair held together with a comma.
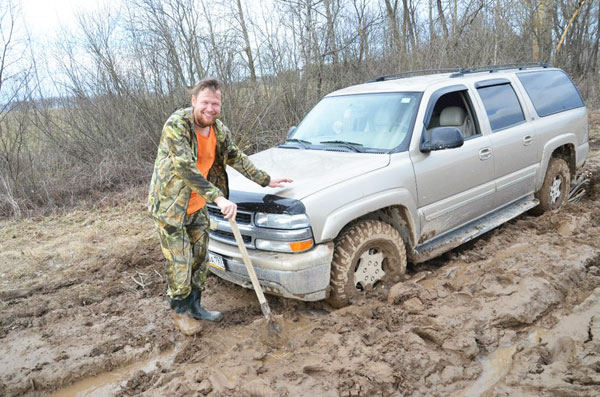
x: 402, y: 169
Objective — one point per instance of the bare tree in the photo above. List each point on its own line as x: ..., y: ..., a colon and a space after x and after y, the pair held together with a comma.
x: 442, y: 18
x: 332, y: 8
x: 248, y: 46
x: 16, y: 77
x: 391, y: 12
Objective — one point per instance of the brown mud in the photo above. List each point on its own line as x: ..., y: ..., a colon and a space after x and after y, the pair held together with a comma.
x: 515, y: 312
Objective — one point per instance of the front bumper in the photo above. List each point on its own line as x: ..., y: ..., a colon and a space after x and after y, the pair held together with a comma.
x: 303, y: 276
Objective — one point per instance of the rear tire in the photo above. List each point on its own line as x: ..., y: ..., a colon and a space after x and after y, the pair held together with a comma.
x: 366, y: 254
x: 555, y: 190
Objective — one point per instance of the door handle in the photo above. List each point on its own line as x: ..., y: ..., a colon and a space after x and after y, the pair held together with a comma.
x: 485, y: 153
x: 527, y: 139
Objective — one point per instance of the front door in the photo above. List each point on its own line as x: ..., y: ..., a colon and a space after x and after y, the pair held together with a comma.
x: 454, y: 186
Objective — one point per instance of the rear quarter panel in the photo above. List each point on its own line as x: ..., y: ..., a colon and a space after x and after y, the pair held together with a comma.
x: 564, y: 128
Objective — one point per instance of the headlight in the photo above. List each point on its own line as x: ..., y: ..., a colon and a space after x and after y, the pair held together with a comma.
x: 281, y: 221
x: 283, y: 246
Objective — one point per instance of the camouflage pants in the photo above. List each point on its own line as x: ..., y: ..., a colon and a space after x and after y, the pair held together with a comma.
x: 185, y: 250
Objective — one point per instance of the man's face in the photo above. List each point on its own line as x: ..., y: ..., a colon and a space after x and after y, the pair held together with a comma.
x: 207, y: 107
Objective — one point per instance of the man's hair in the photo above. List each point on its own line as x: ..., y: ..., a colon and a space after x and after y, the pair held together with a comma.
x: 209, y: 82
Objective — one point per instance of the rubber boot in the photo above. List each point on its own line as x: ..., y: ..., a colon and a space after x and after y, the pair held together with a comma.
x: 180, y: 306
x: 186, y: 324
x: 196, y: 311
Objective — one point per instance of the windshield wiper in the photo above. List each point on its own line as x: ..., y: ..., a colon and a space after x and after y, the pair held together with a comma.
x: 302, y: 142
x: 350, y: 145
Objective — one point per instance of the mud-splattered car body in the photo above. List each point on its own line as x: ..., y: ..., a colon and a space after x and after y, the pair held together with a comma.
x: 403, y: 169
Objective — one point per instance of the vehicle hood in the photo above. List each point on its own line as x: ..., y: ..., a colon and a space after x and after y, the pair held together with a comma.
x: 310, y: 170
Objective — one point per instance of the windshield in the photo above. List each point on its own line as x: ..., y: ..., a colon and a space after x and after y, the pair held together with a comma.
x: 365, y: 122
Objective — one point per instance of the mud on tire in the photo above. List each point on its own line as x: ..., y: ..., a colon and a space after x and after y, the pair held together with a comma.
x: 555, y: 190
x: 366, y: 253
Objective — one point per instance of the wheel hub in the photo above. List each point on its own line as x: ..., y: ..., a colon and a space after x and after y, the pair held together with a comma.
x: 369, y: 270
x: 555, y: 189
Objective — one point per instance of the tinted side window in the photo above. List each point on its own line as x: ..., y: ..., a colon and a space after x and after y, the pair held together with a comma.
x: 550, y: 91
x: 502, y: 106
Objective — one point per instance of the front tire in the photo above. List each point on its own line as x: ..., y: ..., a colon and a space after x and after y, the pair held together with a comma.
x: 366, y: 253
x: 555, y: 190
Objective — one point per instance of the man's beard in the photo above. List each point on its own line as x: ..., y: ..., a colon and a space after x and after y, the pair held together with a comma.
x: 202, y: 122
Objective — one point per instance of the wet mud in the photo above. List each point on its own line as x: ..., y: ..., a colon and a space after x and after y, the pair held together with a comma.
x: 514, y: 312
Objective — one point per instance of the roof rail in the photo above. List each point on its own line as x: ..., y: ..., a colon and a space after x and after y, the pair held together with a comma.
x: 403, y: 75
x: 495, y: 68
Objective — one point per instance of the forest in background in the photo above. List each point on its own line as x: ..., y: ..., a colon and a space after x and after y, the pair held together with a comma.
x: 82, y: 118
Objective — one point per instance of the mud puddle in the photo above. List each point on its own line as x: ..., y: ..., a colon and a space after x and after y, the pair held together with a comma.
x: 279, y: 349
x: 108, y: 383
x: 496, y: 365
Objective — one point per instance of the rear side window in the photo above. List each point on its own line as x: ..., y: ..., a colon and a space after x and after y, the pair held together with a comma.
x: 501, y: 105
x: 550, y: 91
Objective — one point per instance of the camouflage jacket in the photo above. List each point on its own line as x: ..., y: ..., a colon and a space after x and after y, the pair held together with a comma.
x: 176, y: 175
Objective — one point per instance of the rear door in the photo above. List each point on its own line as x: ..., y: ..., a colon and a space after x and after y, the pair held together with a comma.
x: 514, y: 141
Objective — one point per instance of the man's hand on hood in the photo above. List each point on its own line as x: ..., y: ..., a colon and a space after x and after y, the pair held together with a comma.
x: 278, y: 182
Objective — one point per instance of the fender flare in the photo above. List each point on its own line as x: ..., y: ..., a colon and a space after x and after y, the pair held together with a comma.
x: 342, y: 216
x: 547, y: 151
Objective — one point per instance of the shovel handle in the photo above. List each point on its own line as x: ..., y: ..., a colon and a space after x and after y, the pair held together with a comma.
x: 257, y: 288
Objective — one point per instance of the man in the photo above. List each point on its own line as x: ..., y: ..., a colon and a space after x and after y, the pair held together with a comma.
x: 189, y: 171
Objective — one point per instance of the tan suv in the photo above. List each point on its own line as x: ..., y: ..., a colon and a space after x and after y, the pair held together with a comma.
x: 402, y: 169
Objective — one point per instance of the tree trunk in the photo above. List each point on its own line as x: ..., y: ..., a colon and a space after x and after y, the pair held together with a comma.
x: 248, y: 49
x: 392, y: 17
x: 542, y: 45
x: 331, y: 39
x: 564, y: 35
x: 442, y: 18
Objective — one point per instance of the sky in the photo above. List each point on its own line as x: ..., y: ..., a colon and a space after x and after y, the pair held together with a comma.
x: 44, y: 18
x: 45, y: 22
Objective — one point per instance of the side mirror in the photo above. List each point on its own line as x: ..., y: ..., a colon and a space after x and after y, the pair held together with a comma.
x: 291, y: 131
x: 443, y: 138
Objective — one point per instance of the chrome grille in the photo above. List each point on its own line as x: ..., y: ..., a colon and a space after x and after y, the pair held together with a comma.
x: 241, y: 216
x: 229, y: 236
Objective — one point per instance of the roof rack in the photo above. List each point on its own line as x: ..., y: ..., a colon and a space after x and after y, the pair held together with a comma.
x: 403, y: 75
x: 496, y: 68
x: 458, y: 72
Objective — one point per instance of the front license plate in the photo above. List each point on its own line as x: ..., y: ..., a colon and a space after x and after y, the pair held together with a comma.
x: 216, y: 261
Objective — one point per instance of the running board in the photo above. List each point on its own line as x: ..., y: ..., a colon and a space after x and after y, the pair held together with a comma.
x: 451, y: 240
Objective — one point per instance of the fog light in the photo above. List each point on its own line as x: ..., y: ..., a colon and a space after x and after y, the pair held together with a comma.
x: 283, y: 246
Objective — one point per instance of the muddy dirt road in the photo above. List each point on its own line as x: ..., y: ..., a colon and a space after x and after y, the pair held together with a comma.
x: 515, y: 312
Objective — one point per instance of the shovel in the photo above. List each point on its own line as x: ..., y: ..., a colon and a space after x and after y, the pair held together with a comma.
x: 273, y: 327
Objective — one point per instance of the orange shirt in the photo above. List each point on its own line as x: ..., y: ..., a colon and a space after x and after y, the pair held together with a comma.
x: 207, y: 146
